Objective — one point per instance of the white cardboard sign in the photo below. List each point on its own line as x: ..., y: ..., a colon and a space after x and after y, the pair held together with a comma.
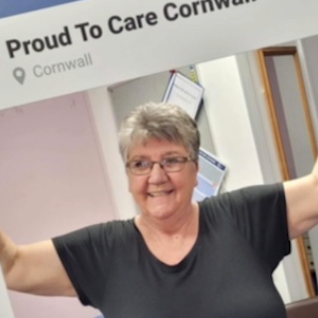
x: 93, y: 43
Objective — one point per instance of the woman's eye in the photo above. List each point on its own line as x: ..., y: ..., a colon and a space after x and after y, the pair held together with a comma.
x: 140, y: 164
x: 171, y: 161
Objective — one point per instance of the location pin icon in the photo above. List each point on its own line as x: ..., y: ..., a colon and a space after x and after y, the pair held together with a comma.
x: 19, y: 74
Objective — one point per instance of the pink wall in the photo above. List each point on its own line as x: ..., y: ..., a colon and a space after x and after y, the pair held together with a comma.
x: 52, y: 180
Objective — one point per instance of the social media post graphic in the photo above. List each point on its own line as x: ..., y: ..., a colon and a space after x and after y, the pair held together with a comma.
x: 14, y: 7
x: 96, y: 43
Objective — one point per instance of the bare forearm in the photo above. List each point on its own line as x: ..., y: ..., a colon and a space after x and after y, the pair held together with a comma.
x: 302, y: 203
x: 8, y: 252
x: 34, y: 268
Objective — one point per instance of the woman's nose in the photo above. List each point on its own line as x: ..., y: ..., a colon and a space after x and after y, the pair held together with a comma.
x: 157, y: 174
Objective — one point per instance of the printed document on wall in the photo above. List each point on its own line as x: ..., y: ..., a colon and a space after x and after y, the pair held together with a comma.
x: 185, y: 93
x: 210, y: 177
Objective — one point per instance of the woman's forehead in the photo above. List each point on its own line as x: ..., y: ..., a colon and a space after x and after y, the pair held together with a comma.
x: 155, y: 146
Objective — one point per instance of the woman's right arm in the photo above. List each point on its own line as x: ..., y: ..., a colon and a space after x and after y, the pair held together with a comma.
x: 34, y: 268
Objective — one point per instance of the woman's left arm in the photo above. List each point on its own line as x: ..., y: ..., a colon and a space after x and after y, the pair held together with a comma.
x: 302, y: 203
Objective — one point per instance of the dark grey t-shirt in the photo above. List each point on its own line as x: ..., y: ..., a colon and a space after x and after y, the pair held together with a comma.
x: 242, y: 237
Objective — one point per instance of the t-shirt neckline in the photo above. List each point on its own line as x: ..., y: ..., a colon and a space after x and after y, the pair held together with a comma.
x: 164, y: 266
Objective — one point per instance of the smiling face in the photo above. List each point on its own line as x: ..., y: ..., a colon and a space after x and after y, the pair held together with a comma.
x: 161, y: 194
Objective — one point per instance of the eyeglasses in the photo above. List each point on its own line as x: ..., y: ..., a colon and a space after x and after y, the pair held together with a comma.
x: 170, y: 164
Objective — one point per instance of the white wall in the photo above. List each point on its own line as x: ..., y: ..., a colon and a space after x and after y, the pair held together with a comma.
x: 229, y: 122
x: 107, y: 132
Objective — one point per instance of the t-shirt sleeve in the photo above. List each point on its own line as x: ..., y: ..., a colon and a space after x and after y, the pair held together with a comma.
x: 86, y: 255
x: 259, y: 213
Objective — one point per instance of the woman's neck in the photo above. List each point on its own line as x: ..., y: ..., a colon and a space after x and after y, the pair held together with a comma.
x: 178, y: 224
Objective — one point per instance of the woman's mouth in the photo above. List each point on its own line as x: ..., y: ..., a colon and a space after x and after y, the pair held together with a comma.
x: 159, y: 193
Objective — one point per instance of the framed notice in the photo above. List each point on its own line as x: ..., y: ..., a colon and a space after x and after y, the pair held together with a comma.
x: 185, y: 93
x: 210, y: 177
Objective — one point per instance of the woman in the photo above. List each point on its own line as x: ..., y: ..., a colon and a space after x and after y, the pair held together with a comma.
x: 177, y: 258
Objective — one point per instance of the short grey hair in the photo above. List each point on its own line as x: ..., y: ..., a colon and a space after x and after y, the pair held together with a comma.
x: 159, y: 121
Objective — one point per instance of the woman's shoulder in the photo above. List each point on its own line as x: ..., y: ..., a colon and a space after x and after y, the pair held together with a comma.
x: 255, y: 192
x: 105, y: 233
x: 246, y: 198
x: 114, y: 228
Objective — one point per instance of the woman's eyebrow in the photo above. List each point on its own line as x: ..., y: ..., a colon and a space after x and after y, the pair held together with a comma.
x: 168, y: 153
x: 172, y: 153
x: 139, y: 157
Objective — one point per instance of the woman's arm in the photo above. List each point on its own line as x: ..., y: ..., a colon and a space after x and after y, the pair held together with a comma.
x: 34, y: 269
x: 302, y: 203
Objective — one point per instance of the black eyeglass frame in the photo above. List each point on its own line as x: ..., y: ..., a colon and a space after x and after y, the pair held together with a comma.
x: 162, y: 163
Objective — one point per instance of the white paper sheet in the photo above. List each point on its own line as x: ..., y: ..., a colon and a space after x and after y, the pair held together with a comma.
x: 184, y: 93
x: 210, y: 177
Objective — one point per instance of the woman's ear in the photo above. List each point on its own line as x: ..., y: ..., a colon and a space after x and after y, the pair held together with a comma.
x: 197, y: 165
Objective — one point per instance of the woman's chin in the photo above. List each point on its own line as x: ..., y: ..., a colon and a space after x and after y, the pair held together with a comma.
x: 160, y: 213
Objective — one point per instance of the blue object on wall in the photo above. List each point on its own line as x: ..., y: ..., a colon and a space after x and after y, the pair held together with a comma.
x: 14, y: 7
